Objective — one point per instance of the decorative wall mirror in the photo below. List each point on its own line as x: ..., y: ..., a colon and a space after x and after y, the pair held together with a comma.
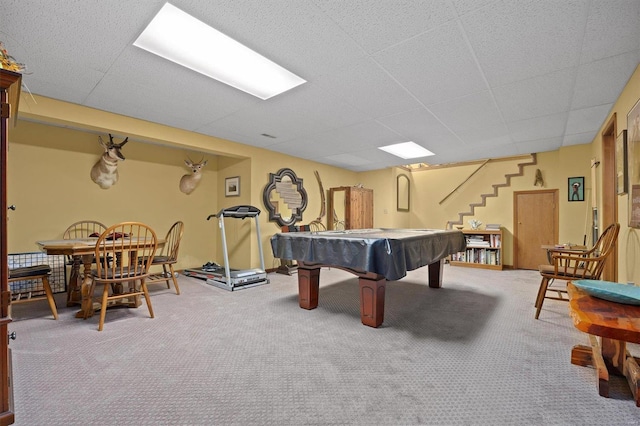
x: 404, y: 193
x: 284, y: 197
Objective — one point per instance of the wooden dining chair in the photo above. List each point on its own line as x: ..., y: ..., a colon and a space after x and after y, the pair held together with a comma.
x: 123, y: 279
x: 77, y: 230
x: 83, y: 229
x: 574, y: 265
x: 167, y: 256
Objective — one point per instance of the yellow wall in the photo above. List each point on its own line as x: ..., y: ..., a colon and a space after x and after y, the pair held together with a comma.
x: 49, y: 183
x: 629, y: 238
x: 430, y: 187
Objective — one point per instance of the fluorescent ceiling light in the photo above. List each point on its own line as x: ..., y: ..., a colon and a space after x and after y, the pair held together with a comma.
x: 185, y: 40
x: 407, y: 150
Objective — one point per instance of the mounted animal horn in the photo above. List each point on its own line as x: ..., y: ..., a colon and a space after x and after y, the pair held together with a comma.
x: 189, y: 182
x: 105, y: 171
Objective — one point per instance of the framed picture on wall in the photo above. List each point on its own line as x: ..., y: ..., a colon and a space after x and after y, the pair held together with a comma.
x: 633, y: 161
x: 232, y: 186
x: 576, y: 188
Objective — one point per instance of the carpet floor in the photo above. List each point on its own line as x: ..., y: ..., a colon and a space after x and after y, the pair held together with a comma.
x: 470, y: 353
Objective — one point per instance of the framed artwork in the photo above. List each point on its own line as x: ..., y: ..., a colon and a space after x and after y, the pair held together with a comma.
x: 633, y: 162
x: 232, y: 186
x: 621, y: 163
x: 576, y: 188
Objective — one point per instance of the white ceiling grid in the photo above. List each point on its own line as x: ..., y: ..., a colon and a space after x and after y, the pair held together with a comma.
x: 466, y: 79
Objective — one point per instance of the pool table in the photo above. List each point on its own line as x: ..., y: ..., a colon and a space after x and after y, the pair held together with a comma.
x: 374, y: 255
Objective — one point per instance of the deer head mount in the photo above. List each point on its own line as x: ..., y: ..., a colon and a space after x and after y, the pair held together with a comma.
x: 105, y: 171
x: 189, y: 182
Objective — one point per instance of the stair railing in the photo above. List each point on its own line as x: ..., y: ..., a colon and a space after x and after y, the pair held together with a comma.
x: 464, y: 181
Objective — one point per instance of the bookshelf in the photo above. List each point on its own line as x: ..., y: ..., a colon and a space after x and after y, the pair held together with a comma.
x: 484, y: 250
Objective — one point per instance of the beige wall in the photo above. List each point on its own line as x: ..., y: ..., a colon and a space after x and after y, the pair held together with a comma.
x: 629, y: 239
x: 431, y: 187
x: 49, y: 183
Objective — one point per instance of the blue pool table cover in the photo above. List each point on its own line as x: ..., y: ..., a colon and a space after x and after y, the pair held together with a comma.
x: 387, y: 252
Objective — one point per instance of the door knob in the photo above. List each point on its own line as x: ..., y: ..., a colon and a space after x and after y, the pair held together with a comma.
x: 12, y: 335
x: 11, y: 207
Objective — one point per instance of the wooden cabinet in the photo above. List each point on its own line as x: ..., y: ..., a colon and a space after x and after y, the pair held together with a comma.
x: 350, y: 207
x: 484, y: 250
x: 10, y: 94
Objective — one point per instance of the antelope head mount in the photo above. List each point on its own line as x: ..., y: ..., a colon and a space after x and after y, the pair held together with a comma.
x: 105, y: 171
x: 189, y: 181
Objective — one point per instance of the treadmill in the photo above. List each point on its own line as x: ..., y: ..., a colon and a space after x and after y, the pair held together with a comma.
x: 223, y: 276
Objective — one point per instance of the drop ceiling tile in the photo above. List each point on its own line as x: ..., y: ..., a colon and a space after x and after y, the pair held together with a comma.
x: 366, y: 86
x: 299, y: 147
x: 611, y: 20
x: 518, y: 40
x: 315, y: 103
x: 369, y: 134
x: 178, y: 82
x: 587, y: 119
x: 465, y: 6
x: 434, y: 66
x: 295, y: 35
x: 380, y: 24
x: 376, y: 158
x: 540, y: 145
x: 578, y: 138
x: 107, y: 97
x: 47, y: 78
x: 473, y: 119
x: 550, y: 126
x: 281, y: 121
x: 346, y: 160
x: 495, y: 151
x: 601, y: 82
x: 447, y: 75
x: 228, y: 135
x: 421, y: 127
x: 63, y: 29
x: 537, y: 96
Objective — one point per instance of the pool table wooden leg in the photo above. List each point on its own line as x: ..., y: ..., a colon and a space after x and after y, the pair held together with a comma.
x: 372, y: 301
x: 308, y: 287
x: 435, y: 273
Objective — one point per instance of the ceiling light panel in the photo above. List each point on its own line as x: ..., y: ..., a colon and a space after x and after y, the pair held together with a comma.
x: 407, y: 150
x: 179, y: 37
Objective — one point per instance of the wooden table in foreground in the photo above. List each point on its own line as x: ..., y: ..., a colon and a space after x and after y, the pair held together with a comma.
x: 375, y: 256
x: 616, y: 324
x: 82, y: 251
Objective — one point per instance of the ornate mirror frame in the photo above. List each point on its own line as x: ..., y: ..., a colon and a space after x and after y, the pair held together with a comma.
x: 293, y: 195
x: 403, y: 188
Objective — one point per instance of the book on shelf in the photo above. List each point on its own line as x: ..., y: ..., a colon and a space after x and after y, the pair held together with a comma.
x: 478, y: 255
x: 477, y: 240
x: 492, y: 227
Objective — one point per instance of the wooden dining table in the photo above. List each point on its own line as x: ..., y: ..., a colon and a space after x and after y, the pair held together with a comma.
x: 82, y: 251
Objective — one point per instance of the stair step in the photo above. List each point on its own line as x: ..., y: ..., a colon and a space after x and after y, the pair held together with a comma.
x: 496, y: 186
